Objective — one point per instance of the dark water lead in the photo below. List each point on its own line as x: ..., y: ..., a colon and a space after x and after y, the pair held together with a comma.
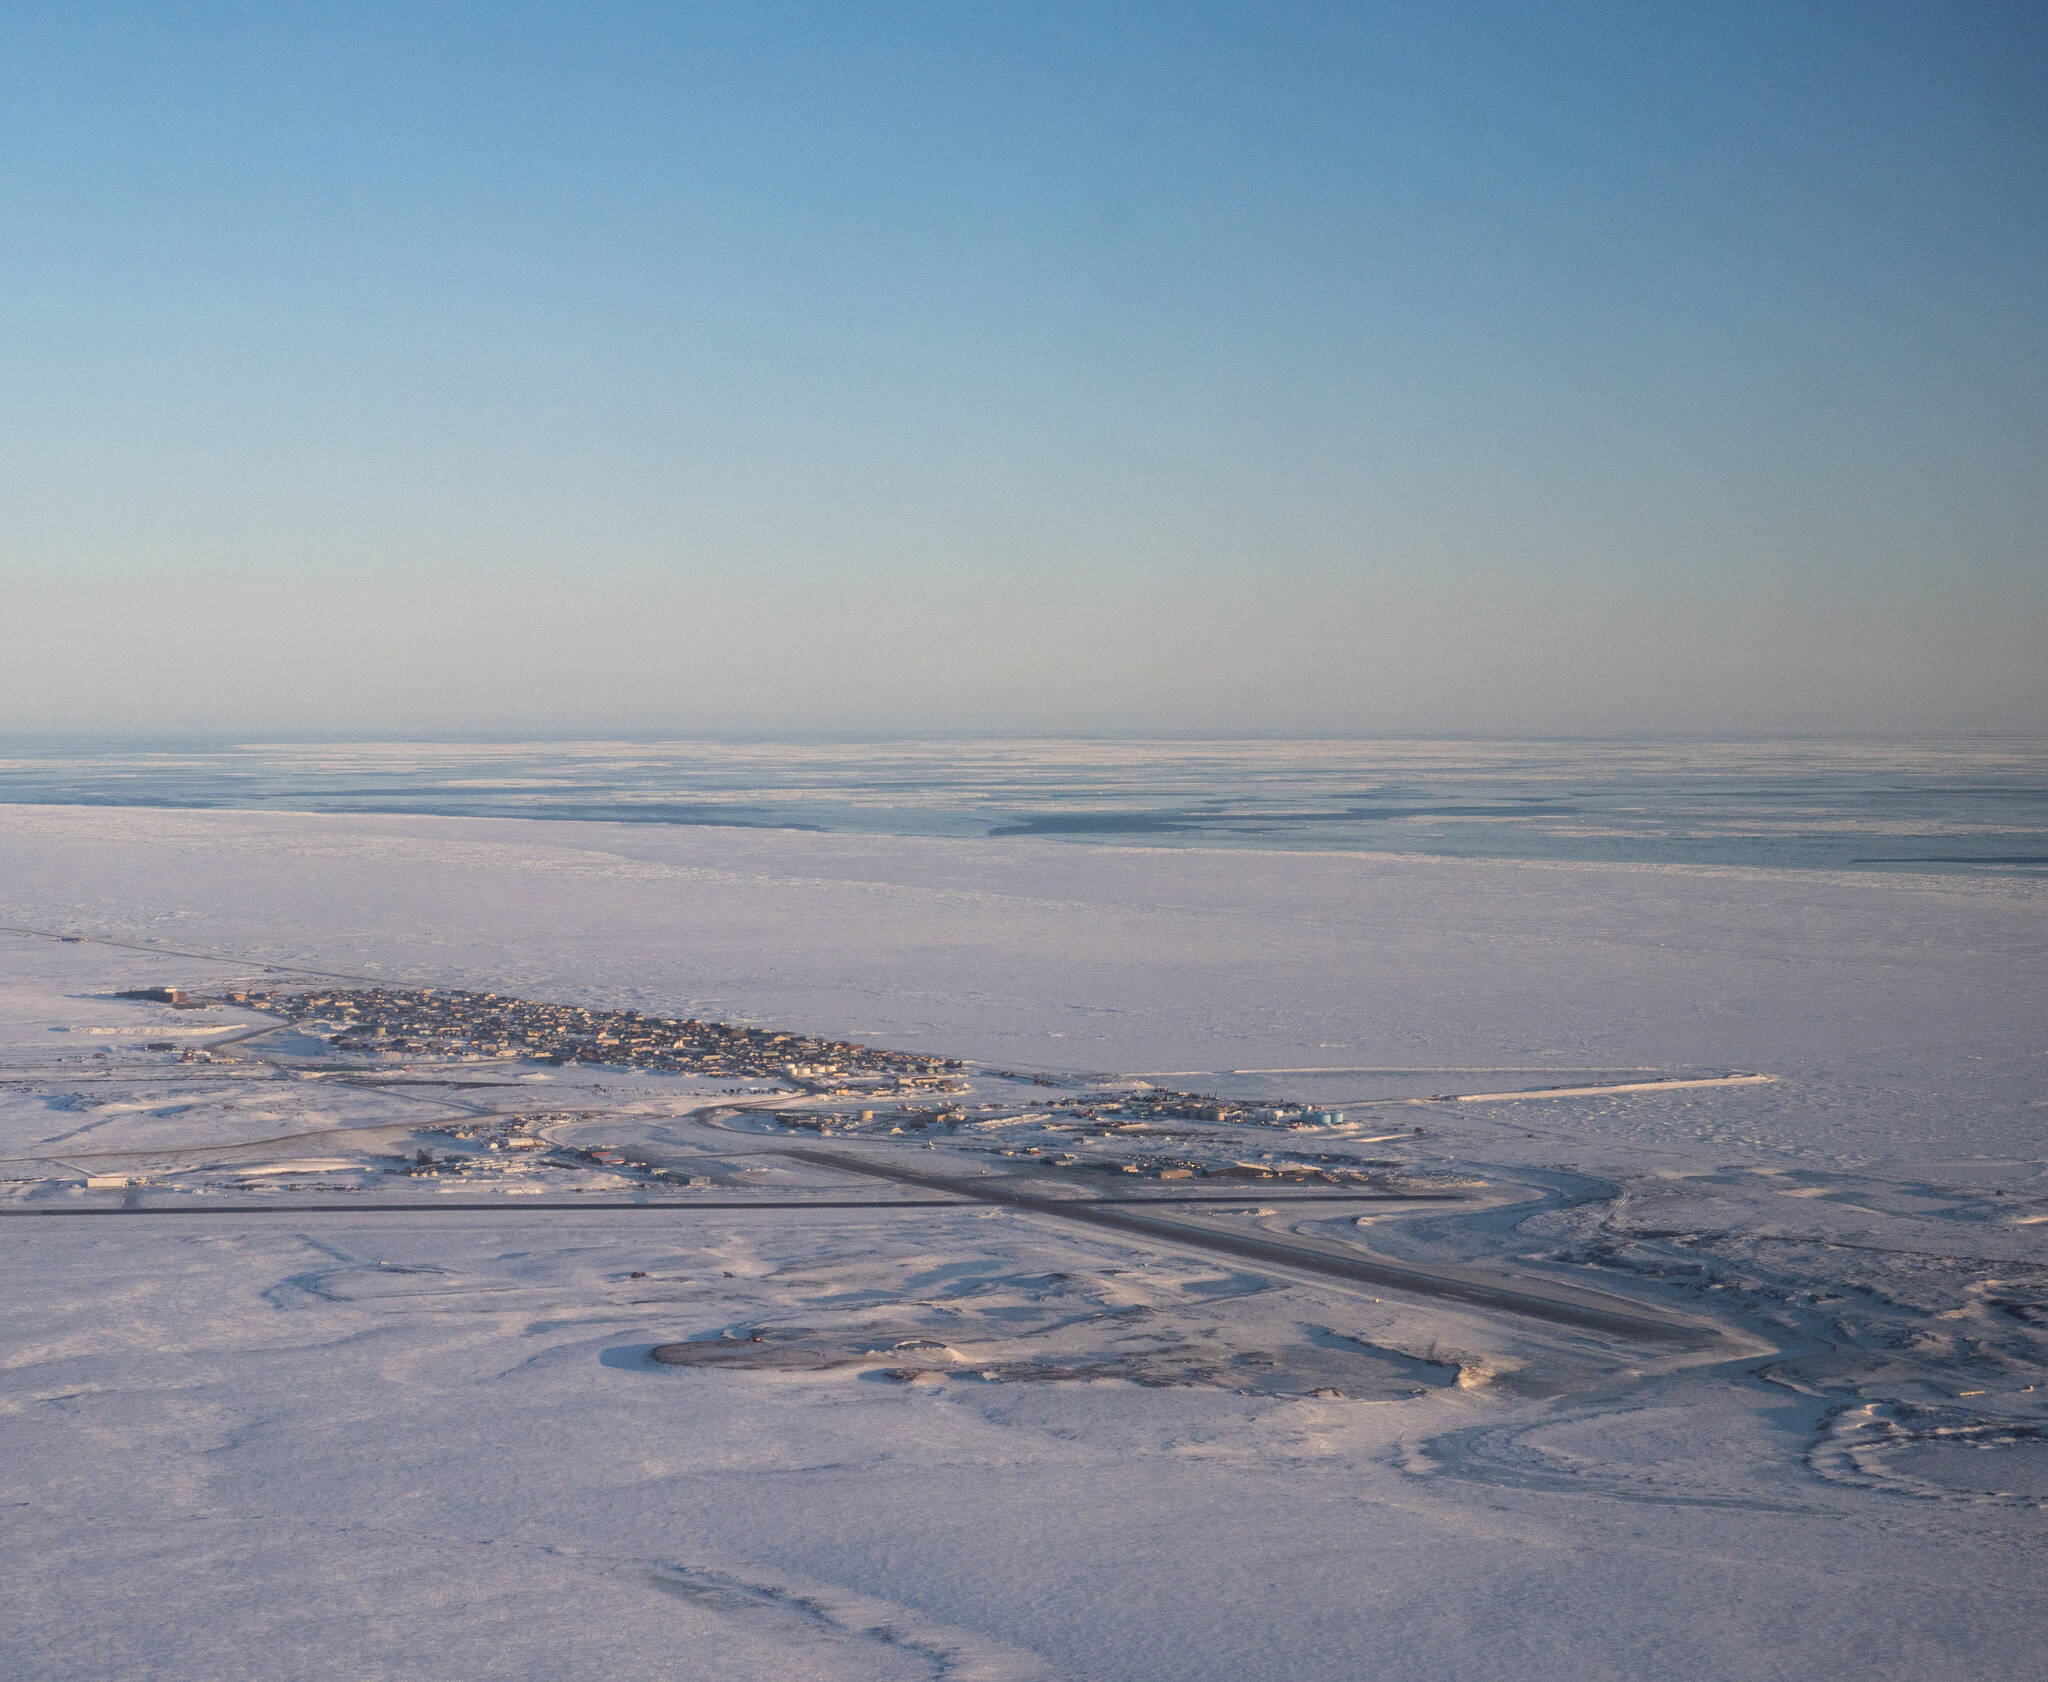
x: 1955, y: 805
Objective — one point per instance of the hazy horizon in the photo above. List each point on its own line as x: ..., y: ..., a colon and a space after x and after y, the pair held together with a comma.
x: 1200, y: 370
x: 90, y: 740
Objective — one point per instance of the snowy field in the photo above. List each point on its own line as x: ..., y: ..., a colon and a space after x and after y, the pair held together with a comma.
x: 296, y: 1403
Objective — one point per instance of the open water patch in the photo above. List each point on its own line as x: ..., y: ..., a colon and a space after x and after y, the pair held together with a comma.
x: 1958, y: 805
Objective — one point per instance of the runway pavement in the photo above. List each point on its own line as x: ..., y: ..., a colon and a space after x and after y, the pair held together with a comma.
x: 1538, y: 1299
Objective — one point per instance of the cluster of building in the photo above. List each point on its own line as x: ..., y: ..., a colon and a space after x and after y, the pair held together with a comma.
x: 176, y: 997
x: 902, y: 1119
x: 1193, y: 1168
x: 437, y: 1022
x: 1159, y: 1103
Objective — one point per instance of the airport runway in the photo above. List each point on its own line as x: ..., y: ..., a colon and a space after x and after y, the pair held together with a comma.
x: 1537, y: 1299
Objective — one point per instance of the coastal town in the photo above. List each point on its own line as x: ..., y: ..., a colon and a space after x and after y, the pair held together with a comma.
x: 1123, y: 1128
x: 451, y: 1023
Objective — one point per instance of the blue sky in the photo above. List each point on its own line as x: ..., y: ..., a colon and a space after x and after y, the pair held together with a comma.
x: 871, y: 367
